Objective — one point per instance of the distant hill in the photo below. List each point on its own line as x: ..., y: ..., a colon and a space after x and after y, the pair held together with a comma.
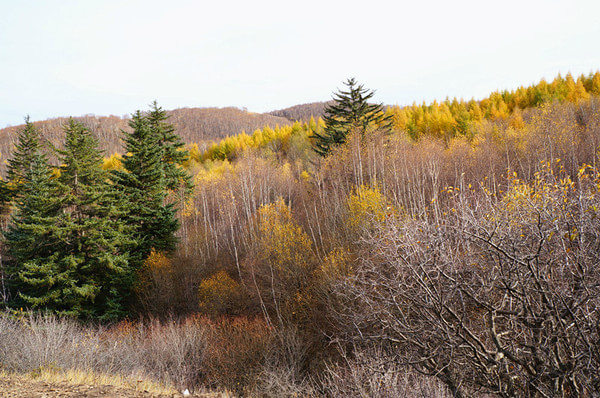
x: 302, y: 113
x: 194, y: 125
x: 207, y: 124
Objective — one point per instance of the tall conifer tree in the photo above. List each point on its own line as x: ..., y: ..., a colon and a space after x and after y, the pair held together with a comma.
x: 26, y: 162
x: 177, y: 179
x: 98, y: 240
x: 69, y: 247
x: 350, y: 111
x: 28, y: 146
x: 33, y: 246
x: 143, y: 186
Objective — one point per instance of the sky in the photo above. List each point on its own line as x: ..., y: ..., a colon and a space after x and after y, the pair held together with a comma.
x: 112, y: 57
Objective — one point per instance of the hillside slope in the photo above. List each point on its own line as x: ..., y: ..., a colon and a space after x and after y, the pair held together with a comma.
x: 198, y: 125
x: 301, y: 113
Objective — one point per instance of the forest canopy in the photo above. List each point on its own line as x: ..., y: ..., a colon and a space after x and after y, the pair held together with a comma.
x: 456, y: 239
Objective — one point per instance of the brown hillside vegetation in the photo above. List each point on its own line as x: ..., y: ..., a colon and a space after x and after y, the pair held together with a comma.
x: 302, y: 243
x: 193, y: 125
x: 302, y: 113
x: 453, y: 254
x: 206, y: 124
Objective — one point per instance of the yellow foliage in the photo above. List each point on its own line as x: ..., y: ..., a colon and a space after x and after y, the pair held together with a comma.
x: 195, y: 157
x: 337, y: 264
x: 213, y: 171
x: 578, y: 92
x: 114, y: 162
x: 445, y: 119
x: 232, y: 146
x: 157, y: 261
x: 594, y: 83
x: 516, y: 120
x: 284, y: 244
x: 155, y: 280
x: 283, y: 263
x: 304, y: 175
x: 367, y: 207
x: 189, y: 207
x: 550, y: 188
x: 219, y: 294
x: 475, y: 111
x: 399, y: 117
x: 286, y: 169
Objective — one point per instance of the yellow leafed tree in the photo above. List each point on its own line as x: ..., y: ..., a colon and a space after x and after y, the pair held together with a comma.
x: 282, y: 263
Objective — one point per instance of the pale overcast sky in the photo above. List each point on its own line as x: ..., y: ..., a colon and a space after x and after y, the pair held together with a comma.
x: 73, y: 57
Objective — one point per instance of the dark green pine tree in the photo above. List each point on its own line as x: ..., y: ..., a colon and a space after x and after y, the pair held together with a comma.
x: 97, y: 240
x: 69, y: 247
x: 349, y: 112
x: 28, y: 145
x: 34, y: 278
x: 142, y: 186
x: 26, y: 162
x: 177, y: 179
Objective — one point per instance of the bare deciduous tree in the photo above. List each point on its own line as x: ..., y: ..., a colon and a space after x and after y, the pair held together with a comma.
x: 498, y: 296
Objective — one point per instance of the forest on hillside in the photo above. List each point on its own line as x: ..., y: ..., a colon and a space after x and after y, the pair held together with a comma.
x: 443, y: 249
x: 194, y: 125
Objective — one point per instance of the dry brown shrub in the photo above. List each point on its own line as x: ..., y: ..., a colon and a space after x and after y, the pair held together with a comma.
x: 237, y: 348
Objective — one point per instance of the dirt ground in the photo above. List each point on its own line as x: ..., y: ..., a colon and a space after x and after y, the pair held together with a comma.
x: 16, y: 387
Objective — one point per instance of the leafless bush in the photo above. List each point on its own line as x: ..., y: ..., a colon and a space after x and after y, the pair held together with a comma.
x: 282, y: 373
x: 236, y: 352
x: 499, y: 296
x: 241, y: 355
x: 171, y: 353
x: 41, y: 341
x: 368, y: 373
x: 282, y: 381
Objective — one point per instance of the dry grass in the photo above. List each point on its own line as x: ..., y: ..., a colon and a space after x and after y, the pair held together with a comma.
x: 195, y: 353
x: 134, y: 354
x: 239, y: 355
x: 77, y: 376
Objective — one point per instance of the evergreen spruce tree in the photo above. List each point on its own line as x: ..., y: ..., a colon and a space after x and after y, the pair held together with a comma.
x: 349, y: 112
x: 142, y: 185
x: 177, y: 179
x: 26, y: 162
x: 76, y: 241
x: 28, y: 145
x: 68, y: 246
x: 98, y: 241
x: 34, y: 277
